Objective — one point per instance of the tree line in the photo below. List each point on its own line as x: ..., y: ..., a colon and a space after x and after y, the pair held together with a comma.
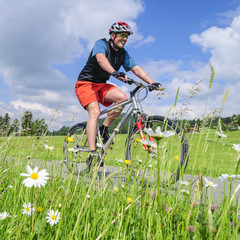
x: 28, y: 126
x: 23, y: 127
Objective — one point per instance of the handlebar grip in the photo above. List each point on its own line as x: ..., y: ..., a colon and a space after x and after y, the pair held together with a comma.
x: 129, y: 81
x: 153, y: 86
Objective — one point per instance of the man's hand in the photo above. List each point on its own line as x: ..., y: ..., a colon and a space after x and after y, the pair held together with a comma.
x: 120, y: 75
x: 157, y: 85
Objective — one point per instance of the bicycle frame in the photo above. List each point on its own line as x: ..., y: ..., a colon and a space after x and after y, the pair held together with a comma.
x: 133, y: 109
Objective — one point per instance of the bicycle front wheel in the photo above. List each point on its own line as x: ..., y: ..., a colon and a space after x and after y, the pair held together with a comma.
x: 76, y: 149
x: 165, y: 156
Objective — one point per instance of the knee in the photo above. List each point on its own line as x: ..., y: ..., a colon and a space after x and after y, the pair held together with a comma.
x: 94, y: 114
x: 123, y: 97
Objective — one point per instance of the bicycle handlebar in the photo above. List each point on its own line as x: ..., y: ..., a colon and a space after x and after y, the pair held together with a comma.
x: 150, y: 87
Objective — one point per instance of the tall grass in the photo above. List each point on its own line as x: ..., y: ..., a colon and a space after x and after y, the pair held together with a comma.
x: 120, y: 205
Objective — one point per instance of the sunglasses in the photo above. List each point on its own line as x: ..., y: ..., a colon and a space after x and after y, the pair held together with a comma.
x: 123, y: 35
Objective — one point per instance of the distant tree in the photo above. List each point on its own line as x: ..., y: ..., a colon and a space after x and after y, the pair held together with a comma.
x: 63, y: 131
x: 26, y: 122
x: 5, y: 124
x: 14, y: 127
x: 39, y: 127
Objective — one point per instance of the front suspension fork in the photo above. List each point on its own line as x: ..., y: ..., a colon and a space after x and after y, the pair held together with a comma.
x: 140, y: 129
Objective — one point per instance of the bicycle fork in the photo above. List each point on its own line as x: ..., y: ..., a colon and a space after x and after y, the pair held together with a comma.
x: 140, y: 129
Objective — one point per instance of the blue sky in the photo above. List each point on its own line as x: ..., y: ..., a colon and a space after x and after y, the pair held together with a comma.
x: 46, y: 44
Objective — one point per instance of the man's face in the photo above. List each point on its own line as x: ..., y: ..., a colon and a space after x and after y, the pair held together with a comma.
x: 121, y: 40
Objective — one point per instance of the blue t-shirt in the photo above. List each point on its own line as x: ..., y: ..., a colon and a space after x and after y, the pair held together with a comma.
x: 100, y: 47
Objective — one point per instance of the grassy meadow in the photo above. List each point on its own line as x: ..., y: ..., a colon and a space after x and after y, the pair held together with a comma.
x: 208, y: 154
x: 91, y: 207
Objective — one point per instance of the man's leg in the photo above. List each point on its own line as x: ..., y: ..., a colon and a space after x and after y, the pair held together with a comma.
x: 115, y: 96
x: 93, y: 110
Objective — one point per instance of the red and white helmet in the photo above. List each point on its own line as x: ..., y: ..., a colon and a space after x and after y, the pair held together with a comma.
x: 119, y: 27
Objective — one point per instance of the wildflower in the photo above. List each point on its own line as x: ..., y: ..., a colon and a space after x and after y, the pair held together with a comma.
x: 28, y: 209
x: 176, y: 158
x: 88, y: 196
x: 3, y: 215
x: 169, y: 209
x: 128, y: 162
x: 197, y: 203
x: 72, y: 150
x: 149, y: 144
x: 190, y: 228
x: 35, y: 178
x: 213, y: 208
x: 39, y: 209
x: 48, y: 147
x: 99, y: 145
x: 158, y: 134
x: 140, y: 161
x: 69, y: 139
x: 227, y: 177
x: 185, y: 192
x: 236, y: 147
x: 154, y: 194
x: 184, y: 183
x: 119, y: 160
x: 129, y: 200
x: 53, y: 217
x: 221, y: 135
x: 115, y: 190
x: 209, y: 184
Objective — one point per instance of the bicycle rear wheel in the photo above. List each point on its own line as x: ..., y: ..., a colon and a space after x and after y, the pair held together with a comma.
x: 166, y: 156
x: 76, y: 149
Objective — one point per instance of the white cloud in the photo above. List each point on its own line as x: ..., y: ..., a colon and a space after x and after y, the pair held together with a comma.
x: 224, y: 45
x: 36, y: 35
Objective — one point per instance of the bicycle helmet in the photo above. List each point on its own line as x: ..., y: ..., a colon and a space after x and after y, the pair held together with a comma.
x: 119, y: 27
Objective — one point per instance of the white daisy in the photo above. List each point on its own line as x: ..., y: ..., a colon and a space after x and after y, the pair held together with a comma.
x: 119, y: 160
x: 148, y: 143
x: 28, y: 209
x: 226, y: 177
x: 236, y: 147
x: 158, y: 133
x: 209, y: 184
x: 99, y: 145
x: 3, y: 215
x: 48, y: 147
x: 184, y: 183
x: 221, y: 135
x: 53, y: 217
x: 35, y: 178
x: 72, y: 150
x: 184, y: 191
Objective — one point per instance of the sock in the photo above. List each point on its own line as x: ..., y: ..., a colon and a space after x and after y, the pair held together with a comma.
x: 104, y: 128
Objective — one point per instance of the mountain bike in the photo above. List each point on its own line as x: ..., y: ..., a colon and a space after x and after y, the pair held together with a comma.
x: 166, y: 152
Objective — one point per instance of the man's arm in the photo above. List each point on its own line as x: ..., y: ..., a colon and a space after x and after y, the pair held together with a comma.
x: 139, y: 72
x: 106, y: 66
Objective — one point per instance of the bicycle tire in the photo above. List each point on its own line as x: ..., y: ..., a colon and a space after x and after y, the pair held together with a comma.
x: 76, y: 149
x: 172, y: 152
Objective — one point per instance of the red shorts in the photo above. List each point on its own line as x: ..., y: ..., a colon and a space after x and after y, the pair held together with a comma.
x: 88, y: 92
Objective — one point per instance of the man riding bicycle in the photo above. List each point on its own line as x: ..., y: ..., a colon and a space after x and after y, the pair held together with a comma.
x: 104, y: 61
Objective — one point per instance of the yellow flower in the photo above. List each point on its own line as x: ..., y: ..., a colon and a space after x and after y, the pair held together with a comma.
x: 128, y: 162
x: 39, y: 209
x: 69, y: 139
x: 138, y: 140
x: 175, y: 157
x: 129, y: 200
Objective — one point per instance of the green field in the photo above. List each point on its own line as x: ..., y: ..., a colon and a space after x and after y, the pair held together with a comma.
x: 207, y: 154
x: 93, y: 207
